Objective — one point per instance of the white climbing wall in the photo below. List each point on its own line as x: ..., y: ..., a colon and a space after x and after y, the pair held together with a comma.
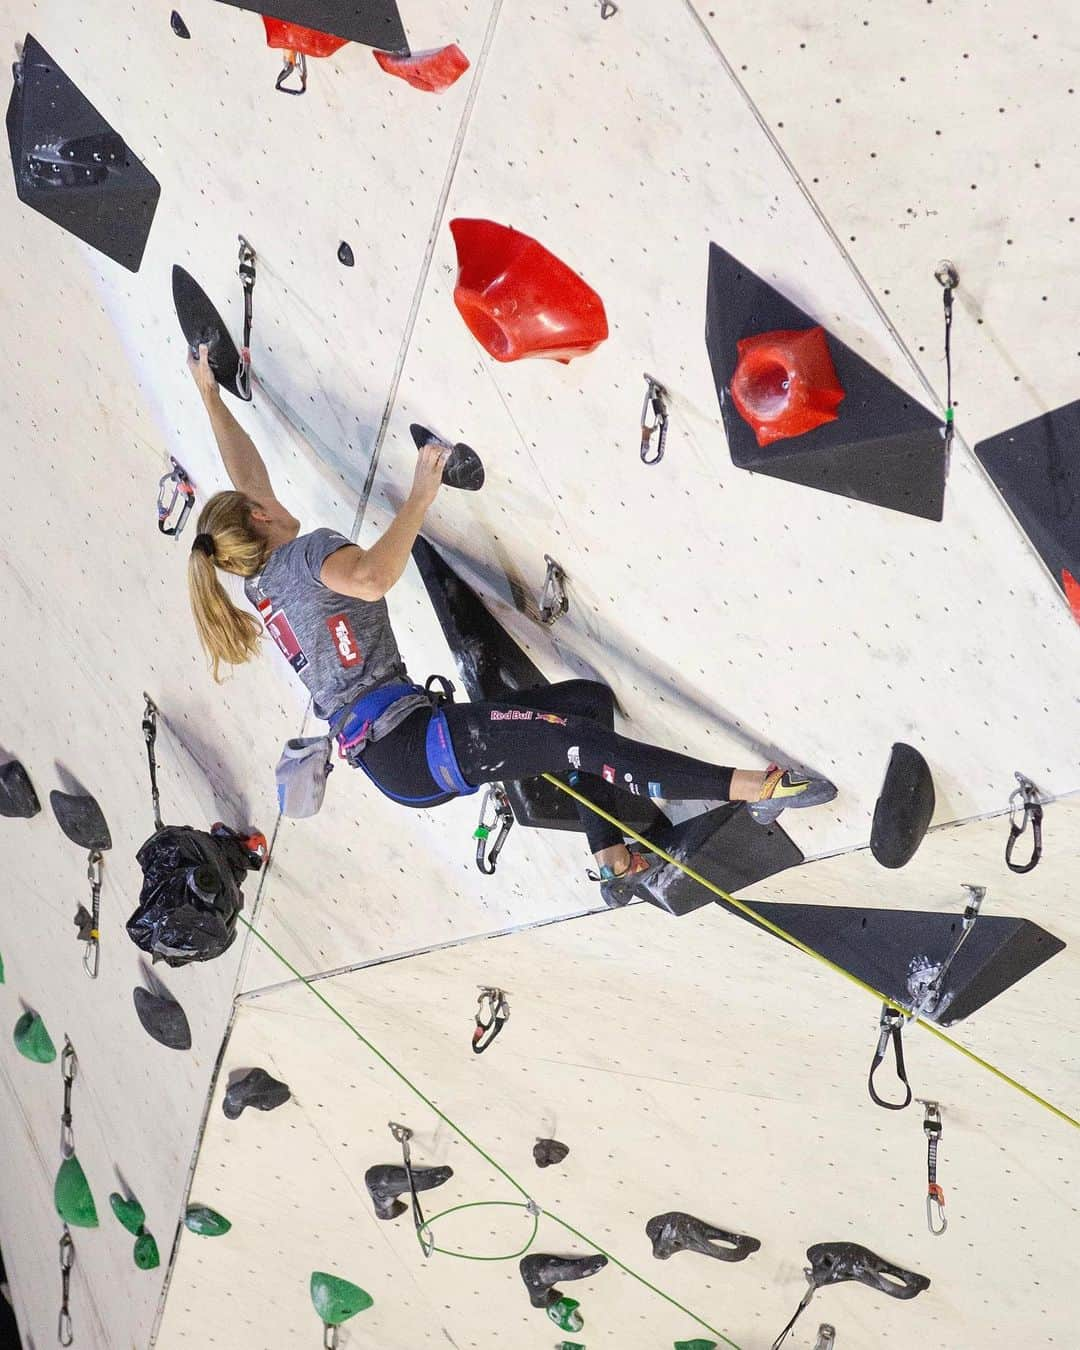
x: 839, y: 151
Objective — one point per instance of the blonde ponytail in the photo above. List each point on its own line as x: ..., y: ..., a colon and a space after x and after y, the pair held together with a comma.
x: 228, y: 634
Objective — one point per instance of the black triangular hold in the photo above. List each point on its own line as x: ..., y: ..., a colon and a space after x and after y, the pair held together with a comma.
x: 81, y: 819
x: 463, y: 469
x: 904, y: 808
x: 1036, y: 467
x: 375, y: 23
x: 492, y: 666
x: 725, y: 845
x: 256, y: 1088
x: 163, y: 1019
x: 201, y: 323
x: 884, y: 448
x: 72, y: 167
x: 884, y: 947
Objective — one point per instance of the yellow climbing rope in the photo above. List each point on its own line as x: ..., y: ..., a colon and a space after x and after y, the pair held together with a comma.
x: 775, y: 928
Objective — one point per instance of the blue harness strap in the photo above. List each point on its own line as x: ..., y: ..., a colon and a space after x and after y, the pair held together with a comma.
x: 352, y: 725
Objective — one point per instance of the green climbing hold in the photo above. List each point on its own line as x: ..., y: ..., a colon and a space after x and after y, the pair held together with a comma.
x: 74, y: 1203
x: 146, y: 1252
x: 130, y: 1213
x: 1, y: 969
x: 696, y: 1345
x: 565, y: 1314
x: 205, y: 1221
x: 337, y: 1300
x: 569, y: 1345
x: 32, y: 1040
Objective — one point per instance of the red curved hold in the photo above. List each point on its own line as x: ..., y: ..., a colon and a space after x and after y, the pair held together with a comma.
x: 1072, y: 592
x: 431, y: 71
x: 293, y: 38
x: 519, y: 300
x: 785, y: 383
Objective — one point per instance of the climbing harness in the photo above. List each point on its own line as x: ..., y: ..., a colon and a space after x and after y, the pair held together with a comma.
x: 926, y: 979
x: 352, y: 725
x: 656, y: 406
x: 149, y: 730
x: 486, y: 858
x: 553, y: 601
x: 949, y: 279
x: 1026, y: 800
x: 935, y: 1196
x: 64, y: 1332
x: 69, y: 1067
x: 293, y: 61
x: 403, y: 1134
x: 492, y: 1014
x: 183, y: 491
x: 246, y: 269
x: 891, y: 1028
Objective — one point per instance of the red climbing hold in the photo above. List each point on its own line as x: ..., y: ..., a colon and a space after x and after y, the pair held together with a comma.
x: 519, y: 300
x: 293, y: 38
x: 785, y: 383
x: 1072, y: 592
x: 431, y: 71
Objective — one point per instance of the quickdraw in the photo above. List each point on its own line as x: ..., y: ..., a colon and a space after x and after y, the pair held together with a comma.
x: 656, y: 405
x: 826, y: 1337
x: 935, y: 1196
x: 90, y: 924
x: 149, y: 730
x: 1026, y: 799
x: 949, y: 279
x: 891, y: 1028
x: 403, y: 1134
x: 492, y: 1015
x: 553, y: 601
x: 294, y: 61
x: 64, y: 1333
x: 69, y: 1067
x: 926, y: 983
x: 487, y: 858
x: 246, y: 269
x: 183, y: 491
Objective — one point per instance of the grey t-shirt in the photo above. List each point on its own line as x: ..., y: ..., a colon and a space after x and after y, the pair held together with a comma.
x: 340, y: 647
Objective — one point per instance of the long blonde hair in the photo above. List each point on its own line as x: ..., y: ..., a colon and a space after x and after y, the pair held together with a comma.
x: 228, y: 634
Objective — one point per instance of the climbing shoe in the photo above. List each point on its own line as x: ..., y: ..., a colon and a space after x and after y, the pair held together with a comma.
x: 786, y: 788
x: 618, y: 888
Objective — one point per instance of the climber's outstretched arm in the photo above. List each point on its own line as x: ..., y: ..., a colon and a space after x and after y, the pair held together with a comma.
x: 243, y: 463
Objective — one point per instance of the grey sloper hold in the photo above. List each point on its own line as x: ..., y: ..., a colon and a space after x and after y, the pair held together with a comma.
x: 386, y: 1182
x: 257, y: 1089
x: 833, y: 1262
x: 677, y: 1232
x: 17, y: 796
x: 547, y: 1152
x: 163, y: 1019
x: 542, y: 1272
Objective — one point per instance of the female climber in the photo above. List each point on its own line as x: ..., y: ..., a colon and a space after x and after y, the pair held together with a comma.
x: 322, y: 599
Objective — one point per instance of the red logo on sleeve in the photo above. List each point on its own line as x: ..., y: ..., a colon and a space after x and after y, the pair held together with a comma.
x: 344, y: 640
x: 281, y: 630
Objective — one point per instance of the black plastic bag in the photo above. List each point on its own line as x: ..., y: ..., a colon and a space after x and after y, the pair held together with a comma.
x: 191, y: 893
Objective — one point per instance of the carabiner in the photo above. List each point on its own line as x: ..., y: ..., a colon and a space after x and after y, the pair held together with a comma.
x: 92, y: 949
x: 293, y: 61
x: 935, y: 1210
x: 608, y: 9
x: 656, y: 402
x: 1027, y: 799
x: 403, y: 1134
x: 935, y: 1196
x: 69, y: 1067
x: 553, y: 601
x: 891, y: 1027
x: 182, y: 487
x: 492, y: 1014
x: 486, y: 859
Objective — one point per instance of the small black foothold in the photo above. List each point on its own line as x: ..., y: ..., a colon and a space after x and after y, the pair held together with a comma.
x: 546, y: 1152
x: 257, y: 1089
x: 345, y: 255
x: 179, y: 27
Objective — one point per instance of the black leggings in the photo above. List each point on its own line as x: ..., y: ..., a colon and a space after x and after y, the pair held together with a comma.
x: 568, y: 726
